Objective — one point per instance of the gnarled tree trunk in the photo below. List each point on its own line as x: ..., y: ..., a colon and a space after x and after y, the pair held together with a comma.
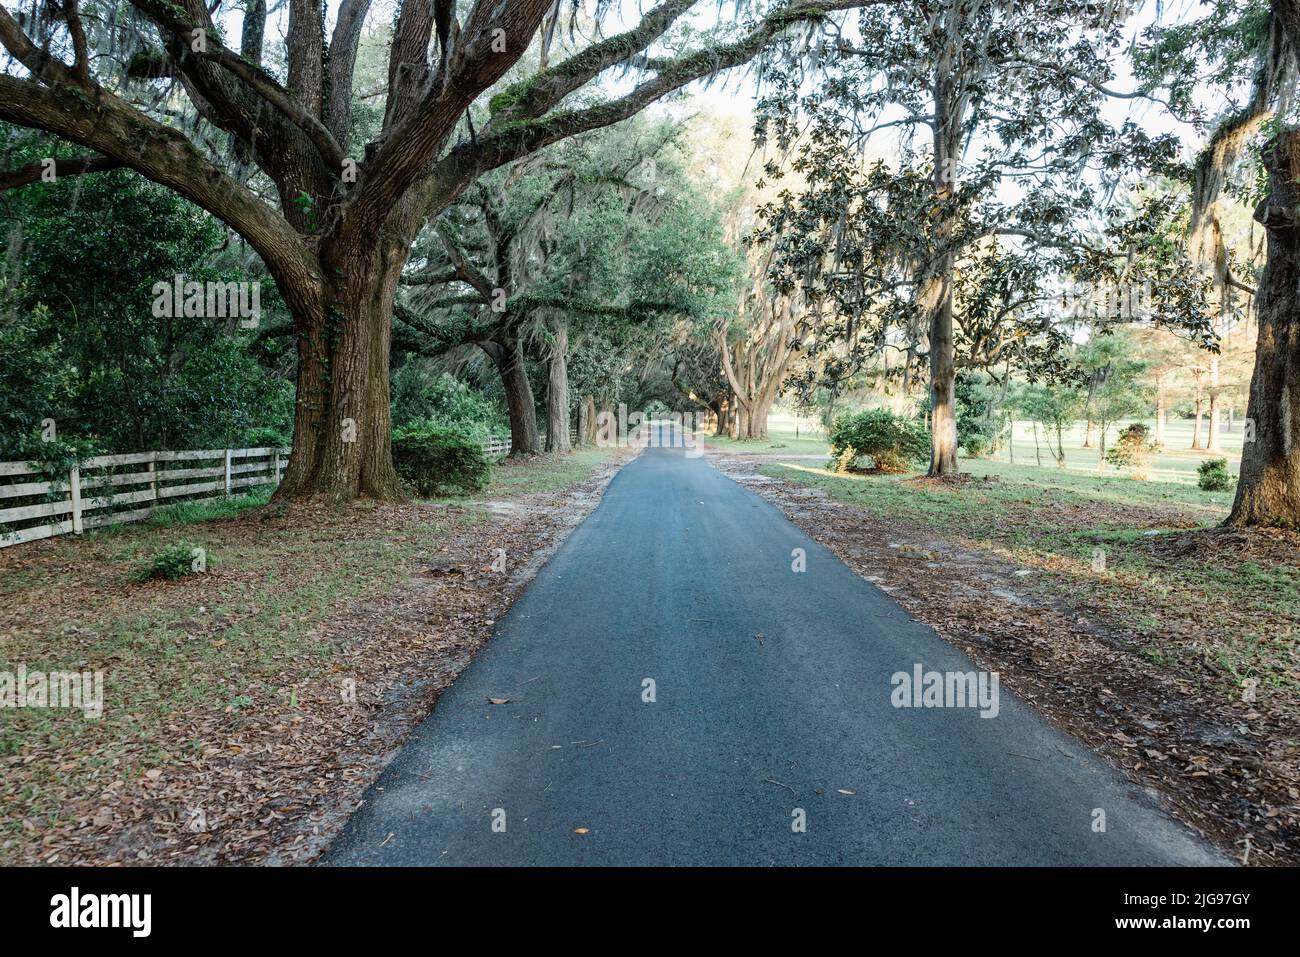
x: 507, y: 352
x: 557, y: 389
x: 342, y: 425
x: 1268, y: 492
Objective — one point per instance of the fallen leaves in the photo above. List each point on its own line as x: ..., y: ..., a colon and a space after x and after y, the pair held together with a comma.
x: 239, y: 711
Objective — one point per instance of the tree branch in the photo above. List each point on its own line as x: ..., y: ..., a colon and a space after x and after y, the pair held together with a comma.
x: 343, y: 61
x: 73, y: 166
x: 101, y: 121
x: 513, y: 140
x: 550, y: 86
x: 258, y: 80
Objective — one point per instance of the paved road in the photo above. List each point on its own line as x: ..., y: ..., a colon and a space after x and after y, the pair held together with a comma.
x: 674, y: 578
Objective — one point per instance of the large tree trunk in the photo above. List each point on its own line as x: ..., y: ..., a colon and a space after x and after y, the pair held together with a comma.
x: 557, y: 390
x: 937, y: 295
x: 342, y: 429
x: 508, y: 354
x: 742, y: 421
x: 758, y: 418
x: 943, y: 397
x: 1268, y: 492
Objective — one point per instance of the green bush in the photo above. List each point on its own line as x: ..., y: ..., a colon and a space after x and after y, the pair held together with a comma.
x: 177, y: 561
x: 891, y: 441
x: 267, y: 437
x: 1132, y: 450
x: 422, y: 396
x: 1213, y: 475
x: 436, y: 461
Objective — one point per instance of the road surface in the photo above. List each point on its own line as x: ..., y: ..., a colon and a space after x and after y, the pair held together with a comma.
x: 772, y: 736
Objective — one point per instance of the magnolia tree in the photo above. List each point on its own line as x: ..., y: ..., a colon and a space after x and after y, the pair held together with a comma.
x: 260, y: 137
x: 993, y: 111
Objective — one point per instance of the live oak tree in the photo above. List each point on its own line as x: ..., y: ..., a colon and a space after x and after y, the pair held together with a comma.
x: 756, y: 345
x: 997, y: 94
x: 336, y: 220
x: 1244, y: 45
x: 1268, y: 490
x: 592, y: 237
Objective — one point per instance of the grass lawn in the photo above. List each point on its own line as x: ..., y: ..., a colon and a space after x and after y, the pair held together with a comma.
x: 195, y: 665
x: 1237, y: 601
x: 542, y: 474
x: 1176, y: 462
x: 784, y: 436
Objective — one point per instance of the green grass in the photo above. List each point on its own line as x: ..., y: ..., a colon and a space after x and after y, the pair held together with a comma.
x: 189, y: 661
x: 1176, y: 462
x: 186, y: 513
x: 785, y: 435
x: 543, y: 473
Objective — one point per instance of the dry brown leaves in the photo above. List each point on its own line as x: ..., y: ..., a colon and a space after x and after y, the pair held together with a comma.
x: 271, y: 782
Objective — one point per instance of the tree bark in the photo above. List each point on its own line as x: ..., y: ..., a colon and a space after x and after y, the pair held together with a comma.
x: 557, y: 389
x: 507, y: 352
x: 937, y: 295
x: 1268, y: 491
x: 589, y: 411
x: 342, y: 429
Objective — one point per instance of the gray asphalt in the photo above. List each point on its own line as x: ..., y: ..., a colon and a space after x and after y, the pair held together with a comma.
x: 672, y: 578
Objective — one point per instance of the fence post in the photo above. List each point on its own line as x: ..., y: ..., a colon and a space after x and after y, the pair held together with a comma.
x: 275, y: 464
x: 153, y: 467
x: 74, y: 488
x: 227, y: 471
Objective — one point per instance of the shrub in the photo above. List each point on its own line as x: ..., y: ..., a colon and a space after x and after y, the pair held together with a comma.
x: 266, y: 436
x: 891, y: 441
x: 422, y: 396
x: 1133, y: 449
x: 176, y: 561
x: 1213, y: 475
x: 843, y: 462
x: 436, y: 461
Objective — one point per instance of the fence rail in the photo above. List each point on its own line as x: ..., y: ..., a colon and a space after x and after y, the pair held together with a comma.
x: 109, y: 489
x: 495, y: 448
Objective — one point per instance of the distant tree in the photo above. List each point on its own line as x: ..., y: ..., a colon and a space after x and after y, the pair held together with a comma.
x: 1117, y: 389
x: 1056, y: 408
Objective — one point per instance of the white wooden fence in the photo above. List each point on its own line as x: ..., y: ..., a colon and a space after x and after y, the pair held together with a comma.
x: 109, y: 489
x: 495, y: 448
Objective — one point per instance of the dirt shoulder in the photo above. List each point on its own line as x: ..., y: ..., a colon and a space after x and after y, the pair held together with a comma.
x: 1149, y: 683
x: 247, y: 709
